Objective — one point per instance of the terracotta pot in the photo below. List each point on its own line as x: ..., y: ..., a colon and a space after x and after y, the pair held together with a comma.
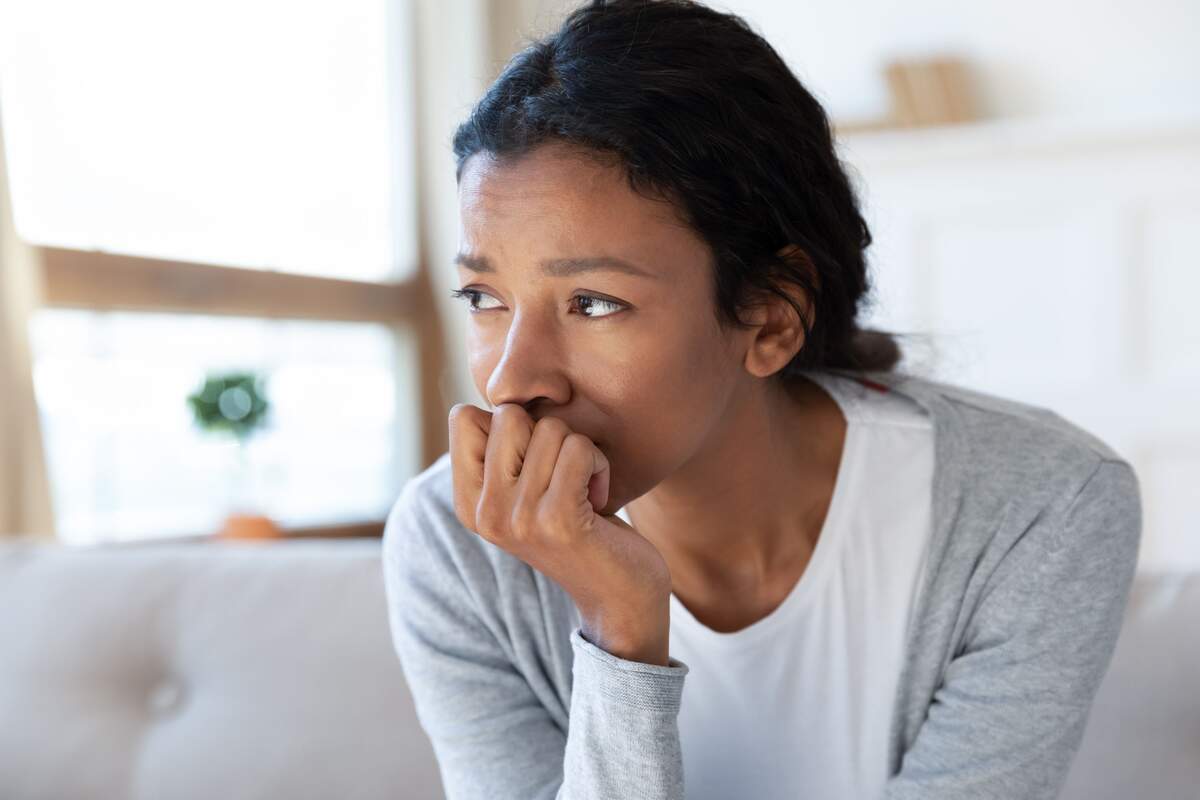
x: 249, y: 526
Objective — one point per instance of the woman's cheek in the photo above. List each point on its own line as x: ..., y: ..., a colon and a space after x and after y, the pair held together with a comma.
x: 483, y: 354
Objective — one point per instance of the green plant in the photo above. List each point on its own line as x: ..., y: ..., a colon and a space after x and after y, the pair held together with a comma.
x: 232, y: 402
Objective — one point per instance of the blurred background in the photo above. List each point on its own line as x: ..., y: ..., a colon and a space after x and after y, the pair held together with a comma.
x: 268, y: 187
x: 226, y: 243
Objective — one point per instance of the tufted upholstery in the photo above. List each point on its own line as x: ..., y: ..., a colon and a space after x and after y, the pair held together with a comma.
x: 203, y: 670
x: 245, y: 671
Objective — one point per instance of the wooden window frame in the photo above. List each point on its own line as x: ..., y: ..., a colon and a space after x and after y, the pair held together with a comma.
x: 101, y: 281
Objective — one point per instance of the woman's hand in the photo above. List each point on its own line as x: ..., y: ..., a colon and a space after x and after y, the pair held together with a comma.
x: 534, y: 489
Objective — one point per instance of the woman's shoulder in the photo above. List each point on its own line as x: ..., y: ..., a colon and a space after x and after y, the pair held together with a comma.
x: 1000, y: 429
x: 1007, y: 458
x: 1022, y: 461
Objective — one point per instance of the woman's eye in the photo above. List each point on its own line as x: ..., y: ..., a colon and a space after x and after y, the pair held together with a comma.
x: 588, y: 304
x: 472, y: 297
x: 587, y: 301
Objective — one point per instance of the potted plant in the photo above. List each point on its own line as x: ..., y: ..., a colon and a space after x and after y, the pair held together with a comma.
x: 235, y: 404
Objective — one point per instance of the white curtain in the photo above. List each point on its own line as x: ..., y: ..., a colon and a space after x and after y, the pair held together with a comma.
x: 24, y: 489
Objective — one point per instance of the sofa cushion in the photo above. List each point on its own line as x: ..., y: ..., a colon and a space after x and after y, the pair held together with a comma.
x: 203, y: 670
x: 1143, y: 733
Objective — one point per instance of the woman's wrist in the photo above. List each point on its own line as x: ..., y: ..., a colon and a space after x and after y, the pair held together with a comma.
x: 632, y: 634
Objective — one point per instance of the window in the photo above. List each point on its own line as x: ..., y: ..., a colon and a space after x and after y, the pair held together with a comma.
x: 125, y: 460
x: 219, y: 187
x: 269, y: 134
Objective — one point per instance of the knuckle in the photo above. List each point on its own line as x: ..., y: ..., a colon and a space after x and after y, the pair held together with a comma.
x: 524, y: 522
x: 458, y: 412
x: 510, y: 414
x: 506, y: 410
x: 551, y: 518
x: 464, y: 416
x: 491, y: 521
x: 552, y: 425
x: 577, y: 442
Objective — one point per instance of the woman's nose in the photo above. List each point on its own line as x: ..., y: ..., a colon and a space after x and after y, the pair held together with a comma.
x: 530, y: 368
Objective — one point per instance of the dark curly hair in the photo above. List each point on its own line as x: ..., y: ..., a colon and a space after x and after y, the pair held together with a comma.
x: 698, y: 108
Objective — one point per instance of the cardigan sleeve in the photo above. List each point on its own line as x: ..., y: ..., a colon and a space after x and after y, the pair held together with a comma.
x: 1009, y: 716
x: 491, y: 735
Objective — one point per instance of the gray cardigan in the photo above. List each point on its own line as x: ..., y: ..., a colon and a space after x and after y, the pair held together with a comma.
x: 1036, y: 527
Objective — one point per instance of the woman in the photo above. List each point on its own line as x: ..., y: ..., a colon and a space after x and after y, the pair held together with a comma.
x: 708, y: 534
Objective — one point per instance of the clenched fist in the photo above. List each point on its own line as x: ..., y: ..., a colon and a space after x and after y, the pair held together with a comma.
x: 535, y: 490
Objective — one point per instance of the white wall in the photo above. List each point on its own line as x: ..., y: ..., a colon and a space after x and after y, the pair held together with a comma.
x: 1043, y: 57
x: 1034, y: 57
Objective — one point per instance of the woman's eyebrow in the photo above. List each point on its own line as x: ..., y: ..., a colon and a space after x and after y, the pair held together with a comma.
x: 562, y: 267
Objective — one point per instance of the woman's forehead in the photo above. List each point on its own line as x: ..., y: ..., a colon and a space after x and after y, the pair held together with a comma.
x: 552, y: 192
x: 548, y: 176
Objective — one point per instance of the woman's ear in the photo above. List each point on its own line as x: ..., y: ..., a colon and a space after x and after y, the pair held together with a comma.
x: 779, y: 333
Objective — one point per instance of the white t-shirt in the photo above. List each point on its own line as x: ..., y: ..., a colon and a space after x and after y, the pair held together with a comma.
x: 799, y: 704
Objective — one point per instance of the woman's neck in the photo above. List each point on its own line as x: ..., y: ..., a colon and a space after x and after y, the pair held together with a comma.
x: 752, y: 501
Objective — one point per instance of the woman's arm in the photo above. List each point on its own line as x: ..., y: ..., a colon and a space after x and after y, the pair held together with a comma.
x: 1009, y: 717
x: 492, y: 736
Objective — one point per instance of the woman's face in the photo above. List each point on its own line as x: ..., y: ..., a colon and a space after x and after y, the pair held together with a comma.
x: 631, y: 356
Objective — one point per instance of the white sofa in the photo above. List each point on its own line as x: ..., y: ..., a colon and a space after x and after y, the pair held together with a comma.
x: 205, y: 671
x: 265, y: 670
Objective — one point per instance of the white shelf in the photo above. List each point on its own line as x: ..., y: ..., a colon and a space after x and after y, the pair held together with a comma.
x: 1032, y: 136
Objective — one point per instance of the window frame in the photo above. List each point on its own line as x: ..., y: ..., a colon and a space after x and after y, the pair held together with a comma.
x: 103, y: 281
